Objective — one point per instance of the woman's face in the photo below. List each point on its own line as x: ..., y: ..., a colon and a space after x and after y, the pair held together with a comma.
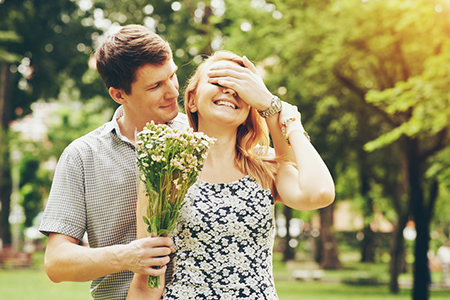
x: 218, y: 105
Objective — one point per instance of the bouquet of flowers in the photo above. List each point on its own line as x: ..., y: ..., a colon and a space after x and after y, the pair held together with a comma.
x: 169, y: 163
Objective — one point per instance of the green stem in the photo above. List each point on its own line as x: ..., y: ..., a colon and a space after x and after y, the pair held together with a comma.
x: 154, y: 282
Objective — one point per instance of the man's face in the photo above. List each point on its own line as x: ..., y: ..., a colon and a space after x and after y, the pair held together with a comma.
x: 154, y: 94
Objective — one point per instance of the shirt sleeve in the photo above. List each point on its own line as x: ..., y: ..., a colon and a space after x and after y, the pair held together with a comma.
x: 65, y: 211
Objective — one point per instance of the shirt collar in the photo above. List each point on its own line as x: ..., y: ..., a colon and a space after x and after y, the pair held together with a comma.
x: 113, y: 125
x: 179, y: 122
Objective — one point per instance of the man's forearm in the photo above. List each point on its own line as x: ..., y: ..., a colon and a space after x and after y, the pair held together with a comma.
x: 67, y: 261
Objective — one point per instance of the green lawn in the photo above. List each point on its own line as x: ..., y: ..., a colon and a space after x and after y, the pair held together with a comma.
x: 33, y: 284
x: 333, y: 291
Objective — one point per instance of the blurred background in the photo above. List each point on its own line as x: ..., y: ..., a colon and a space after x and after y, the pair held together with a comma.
x: 370, y: 77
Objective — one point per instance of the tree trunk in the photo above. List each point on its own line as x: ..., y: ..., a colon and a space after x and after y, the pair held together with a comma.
x: 416, y: 194
x: 5, y: 168
x: 5, y: 193
x: 398, y: 190
x: 288, y: 251
x: 330, y: 253
x: 397, y: 252
x: 368, y: 244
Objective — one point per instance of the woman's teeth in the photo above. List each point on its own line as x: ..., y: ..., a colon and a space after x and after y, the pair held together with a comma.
x: 226, y: 103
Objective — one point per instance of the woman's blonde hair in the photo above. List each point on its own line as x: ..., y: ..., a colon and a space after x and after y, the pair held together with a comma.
x: 252, y: 139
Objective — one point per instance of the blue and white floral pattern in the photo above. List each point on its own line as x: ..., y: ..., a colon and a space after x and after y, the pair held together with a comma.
x: 224, y: 241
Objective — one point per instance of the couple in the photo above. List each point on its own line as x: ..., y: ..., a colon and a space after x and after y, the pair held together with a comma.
x: 224, y: 238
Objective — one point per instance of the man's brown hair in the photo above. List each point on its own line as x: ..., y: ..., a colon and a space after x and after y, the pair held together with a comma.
x: 121, y: 54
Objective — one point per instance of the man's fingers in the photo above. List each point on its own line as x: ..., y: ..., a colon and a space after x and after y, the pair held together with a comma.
x: 156, y: 242
x: 153, y: 265
x: 159, y: 251
x: 157, y: 272
x: 156, y: 261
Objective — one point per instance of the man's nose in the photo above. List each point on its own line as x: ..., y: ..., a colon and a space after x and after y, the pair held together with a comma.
x: 173, y: 90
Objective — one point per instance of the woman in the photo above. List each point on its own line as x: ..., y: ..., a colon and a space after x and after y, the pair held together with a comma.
x: 225, y: 233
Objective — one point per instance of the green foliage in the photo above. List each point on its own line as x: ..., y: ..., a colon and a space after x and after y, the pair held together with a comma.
x: 74, y: 119
x: 9, y: 36
x: 50, y: 41
x: 425, y: 98
x: 34, y: 186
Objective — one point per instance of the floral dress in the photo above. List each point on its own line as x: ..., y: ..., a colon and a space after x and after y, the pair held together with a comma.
x: 224, y: 241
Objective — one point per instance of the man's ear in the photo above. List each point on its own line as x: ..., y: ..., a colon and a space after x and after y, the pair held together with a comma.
x: 191, y: 103
x: 117, y: 95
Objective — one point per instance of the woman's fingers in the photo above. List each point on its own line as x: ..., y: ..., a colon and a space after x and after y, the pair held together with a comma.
x: 246, y: 81
x: 249, y: 65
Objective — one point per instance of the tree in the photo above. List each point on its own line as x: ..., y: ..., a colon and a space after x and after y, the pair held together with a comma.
x: 422, y: 103
x: 373, y: 46
x: 48, y: 42
x: 5, y: 111
x: 34, y: 186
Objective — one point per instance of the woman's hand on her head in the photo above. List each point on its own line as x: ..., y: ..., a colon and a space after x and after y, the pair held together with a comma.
x: 246, y: 81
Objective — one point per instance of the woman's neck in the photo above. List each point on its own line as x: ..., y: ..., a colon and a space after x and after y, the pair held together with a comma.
x: 220, y: 166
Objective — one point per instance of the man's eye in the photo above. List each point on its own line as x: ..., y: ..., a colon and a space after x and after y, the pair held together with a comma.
x: 154, y: 87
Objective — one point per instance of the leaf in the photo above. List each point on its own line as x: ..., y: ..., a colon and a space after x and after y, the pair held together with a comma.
x: 163, y: 232
x: 384, y: 140
x: 166, y: 218
x: 154, y: 225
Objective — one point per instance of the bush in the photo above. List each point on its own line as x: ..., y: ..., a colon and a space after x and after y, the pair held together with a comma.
x: 362, y: 278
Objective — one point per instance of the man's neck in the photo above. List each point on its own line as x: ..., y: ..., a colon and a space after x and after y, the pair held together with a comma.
x: 127, y: 129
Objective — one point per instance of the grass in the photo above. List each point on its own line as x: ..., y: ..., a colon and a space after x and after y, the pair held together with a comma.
x: 33, y: 284
x: 334, y: 291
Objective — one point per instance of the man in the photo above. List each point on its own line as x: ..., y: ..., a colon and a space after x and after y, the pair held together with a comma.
x: 94, y: 187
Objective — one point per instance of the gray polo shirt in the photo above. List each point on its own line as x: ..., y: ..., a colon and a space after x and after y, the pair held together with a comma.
x: 94, y: 191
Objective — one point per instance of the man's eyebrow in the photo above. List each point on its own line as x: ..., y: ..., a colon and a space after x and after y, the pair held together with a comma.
x: 159, y: 81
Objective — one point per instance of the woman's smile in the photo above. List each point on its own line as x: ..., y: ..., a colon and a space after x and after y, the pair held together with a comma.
x: 226, y: 103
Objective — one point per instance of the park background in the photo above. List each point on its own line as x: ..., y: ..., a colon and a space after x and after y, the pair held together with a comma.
x: 370, y: 77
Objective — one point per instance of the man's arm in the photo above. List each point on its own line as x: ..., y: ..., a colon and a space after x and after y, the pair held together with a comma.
x: 65, y: 260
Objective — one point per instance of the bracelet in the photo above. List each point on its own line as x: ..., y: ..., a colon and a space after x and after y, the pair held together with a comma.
x: 292, y: 127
